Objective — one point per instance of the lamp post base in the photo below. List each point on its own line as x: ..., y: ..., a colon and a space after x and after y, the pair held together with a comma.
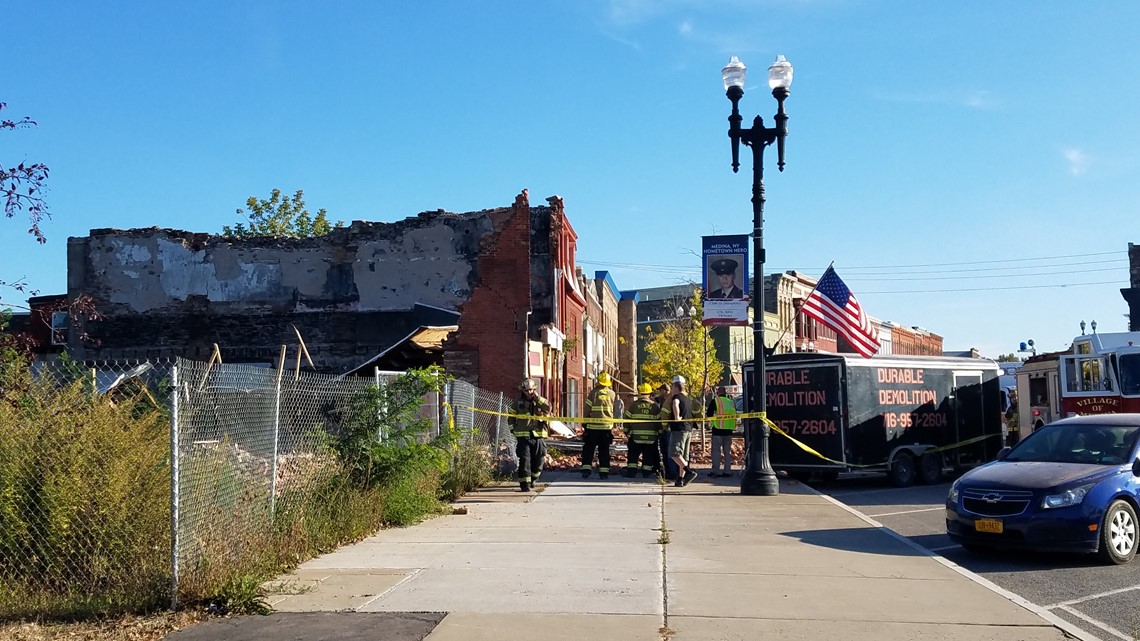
x: 758, y: 483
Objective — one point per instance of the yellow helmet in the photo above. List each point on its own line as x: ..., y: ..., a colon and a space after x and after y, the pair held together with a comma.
x: 604, y: 379
x: 645, y: 388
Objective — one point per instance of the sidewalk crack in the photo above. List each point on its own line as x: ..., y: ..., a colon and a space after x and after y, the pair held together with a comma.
x: 663, y: 540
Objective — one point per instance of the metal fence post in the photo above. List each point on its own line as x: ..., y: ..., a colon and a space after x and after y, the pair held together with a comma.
x: 276, y: 437
x: 174, y: 479
x: 498, y: 425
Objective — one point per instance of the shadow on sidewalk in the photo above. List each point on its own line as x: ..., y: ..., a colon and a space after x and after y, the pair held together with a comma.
x: 866, y: 540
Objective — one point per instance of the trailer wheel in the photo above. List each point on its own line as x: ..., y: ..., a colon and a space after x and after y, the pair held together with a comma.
x: 902, y: 470
x: 930, y: 468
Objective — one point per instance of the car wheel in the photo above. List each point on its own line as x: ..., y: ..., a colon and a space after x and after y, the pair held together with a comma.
x: 930, y: 468
x: 1118, y: 534
x: 902, y: 470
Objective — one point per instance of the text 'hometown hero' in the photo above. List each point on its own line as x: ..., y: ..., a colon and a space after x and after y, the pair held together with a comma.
x: 529, y: 432
x: 598, y: 434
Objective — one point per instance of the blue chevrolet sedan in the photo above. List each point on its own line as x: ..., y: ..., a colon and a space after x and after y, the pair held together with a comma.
x: 1073, y: 485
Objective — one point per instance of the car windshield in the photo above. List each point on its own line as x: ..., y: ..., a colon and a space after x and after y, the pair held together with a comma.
x: 1078, y: 443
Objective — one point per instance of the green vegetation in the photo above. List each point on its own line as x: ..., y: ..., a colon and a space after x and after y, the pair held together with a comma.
x: 85, y: 496
x: 84, y: 499
x: 280, y: 216
x: 682, y: 346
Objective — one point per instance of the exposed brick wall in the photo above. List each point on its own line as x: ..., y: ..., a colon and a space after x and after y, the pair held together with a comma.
x: 493, y: 321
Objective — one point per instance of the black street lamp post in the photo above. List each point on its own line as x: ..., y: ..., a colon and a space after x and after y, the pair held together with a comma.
x: 759, y: 477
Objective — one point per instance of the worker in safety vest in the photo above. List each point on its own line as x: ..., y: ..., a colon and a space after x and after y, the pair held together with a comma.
x: 598, y: 433
x: 723, y: 411
x: 530, y: 433
x: 642, y: 436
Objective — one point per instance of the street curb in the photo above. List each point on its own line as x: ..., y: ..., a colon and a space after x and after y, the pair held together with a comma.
x: 1061, y: 624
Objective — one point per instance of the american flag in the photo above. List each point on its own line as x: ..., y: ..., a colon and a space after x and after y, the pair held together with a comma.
x: 835, y: 306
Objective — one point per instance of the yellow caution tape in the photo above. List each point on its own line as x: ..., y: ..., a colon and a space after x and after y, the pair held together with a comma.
x: 587, y: 419
x: 763, y: 416
x: 808, y: 448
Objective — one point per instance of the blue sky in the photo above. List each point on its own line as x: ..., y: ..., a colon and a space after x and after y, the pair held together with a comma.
x: 926, y: 139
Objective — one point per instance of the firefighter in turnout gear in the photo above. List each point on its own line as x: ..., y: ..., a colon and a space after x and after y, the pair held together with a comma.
x: 530, y: 433
x: 642, y: 436
x: 598, y: 435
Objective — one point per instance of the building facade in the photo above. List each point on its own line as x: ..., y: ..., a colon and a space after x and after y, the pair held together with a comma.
x: 499, y: 275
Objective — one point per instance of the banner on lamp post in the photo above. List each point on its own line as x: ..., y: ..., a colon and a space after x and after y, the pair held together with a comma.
x: 725, y: 280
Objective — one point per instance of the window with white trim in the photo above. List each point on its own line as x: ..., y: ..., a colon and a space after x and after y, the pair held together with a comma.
x: 59, y: 324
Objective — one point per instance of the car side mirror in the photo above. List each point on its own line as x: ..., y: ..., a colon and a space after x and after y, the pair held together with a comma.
x: 1003, y: 452
x: 1136, y: 467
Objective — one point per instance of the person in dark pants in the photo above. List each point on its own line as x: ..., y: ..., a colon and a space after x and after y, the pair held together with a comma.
x: 666, y: 468
x: 642, y: 433
x: 530, y: 433
x: 598, y: 434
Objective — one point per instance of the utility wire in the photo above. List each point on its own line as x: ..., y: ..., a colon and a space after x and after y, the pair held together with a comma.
x: 681, y: 268
x: 991, y: 289
x: 865, y: 279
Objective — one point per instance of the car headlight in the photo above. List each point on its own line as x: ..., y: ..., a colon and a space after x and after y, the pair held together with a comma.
x: 1068, y: 498
x: 952, y: 497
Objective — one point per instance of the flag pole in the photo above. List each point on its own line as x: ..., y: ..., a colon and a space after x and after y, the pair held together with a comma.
x: 800, y: 309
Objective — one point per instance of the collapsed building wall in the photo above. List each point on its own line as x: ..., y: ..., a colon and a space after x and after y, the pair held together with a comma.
x: 350, y: 293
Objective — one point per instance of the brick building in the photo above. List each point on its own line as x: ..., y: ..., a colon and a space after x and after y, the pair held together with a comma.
x: 498, y: 274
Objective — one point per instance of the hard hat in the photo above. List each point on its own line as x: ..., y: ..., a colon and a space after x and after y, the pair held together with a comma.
x: 529, y: 385
x: 679, y: 379
x: 645, y: 388
x: 604, y: 379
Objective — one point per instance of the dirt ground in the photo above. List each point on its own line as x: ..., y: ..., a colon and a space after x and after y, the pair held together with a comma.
x: 128, y: 628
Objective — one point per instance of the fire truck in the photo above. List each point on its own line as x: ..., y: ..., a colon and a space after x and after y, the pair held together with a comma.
x: 1038, y: 400
x: 1101, y: 375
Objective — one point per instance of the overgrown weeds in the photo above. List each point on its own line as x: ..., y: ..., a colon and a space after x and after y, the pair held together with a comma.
x: 85, y: 496
x: 84, y: 499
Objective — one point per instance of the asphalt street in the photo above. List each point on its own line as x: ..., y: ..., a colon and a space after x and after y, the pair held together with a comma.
x: 1101, y: 599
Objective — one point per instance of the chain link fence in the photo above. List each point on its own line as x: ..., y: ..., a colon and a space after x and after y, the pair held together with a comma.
x: 84, y: 486
x: 123, y: 485
x: 480, y: 416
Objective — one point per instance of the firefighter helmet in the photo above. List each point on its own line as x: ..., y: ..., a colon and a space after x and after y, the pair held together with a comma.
x: 529, y: 385
x: 604, y: 379
x: 645, y: 388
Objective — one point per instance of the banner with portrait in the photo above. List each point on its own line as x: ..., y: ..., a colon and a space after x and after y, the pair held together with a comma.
x: 725, y: 280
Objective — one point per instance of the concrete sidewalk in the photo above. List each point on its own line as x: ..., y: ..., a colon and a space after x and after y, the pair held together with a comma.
x: 636, y: 561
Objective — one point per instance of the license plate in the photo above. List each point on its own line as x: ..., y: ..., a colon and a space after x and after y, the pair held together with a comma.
x: 993, y: 526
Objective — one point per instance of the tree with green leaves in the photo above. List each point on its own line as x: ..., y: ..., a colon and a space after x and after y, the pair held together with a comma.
x: 280, y: 216
x: 681, y: 346
x: 1008, y: 358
